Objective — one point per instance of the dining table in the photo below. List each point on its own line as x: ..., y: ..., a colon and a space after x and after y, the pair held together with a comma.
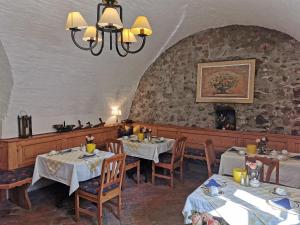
x: 69, y: 166
x: 289, y: 168
x: 241, y: 205
x: 147, y: 149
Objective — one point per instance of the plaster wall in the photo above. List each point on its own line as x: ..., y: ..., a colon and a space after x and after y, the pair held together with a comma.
x: 6, y: 84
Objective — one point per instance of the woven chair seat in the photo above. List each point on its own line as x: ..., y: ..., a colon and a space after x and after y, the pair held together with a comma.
x: 13, y: 176
x: 131, y: 159
x: 165, y: 157
x: 92, y: 186
x: 194, y: 152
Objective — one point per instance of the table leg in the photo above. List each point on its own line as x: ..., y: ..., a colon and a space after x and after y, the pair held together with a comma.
x: 146, y: 169
x: 2, y: 195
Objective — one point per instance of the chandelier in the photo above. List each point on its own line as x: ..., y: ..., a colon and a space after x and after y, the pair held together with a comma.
x: 109, y: 23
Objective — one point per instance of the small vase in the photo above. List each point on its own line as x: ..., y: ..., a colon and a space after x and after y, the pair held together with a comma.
x: 90, y: 148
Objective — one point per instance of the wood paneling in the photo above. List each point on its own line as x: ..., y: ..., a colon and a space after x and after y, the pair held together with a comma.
x: 3, y: 156
x: 224, y: 139
x: 17, y: 152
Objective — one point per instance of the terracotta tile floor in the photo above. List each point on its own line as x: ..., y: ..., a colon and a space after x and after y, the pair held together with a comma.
x: 142, y: 205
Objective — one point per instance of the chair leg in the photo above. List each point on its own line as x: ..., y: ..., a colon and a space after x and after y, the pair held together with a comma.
x: 19, y: 196
x: 119, y: 206
x: 77, y: 217
x: 172, y: 178
x: 138, y: 172
x: 124, y: 177
x: 153, y: 173
x: 99, y: 213
x: 181, y: 172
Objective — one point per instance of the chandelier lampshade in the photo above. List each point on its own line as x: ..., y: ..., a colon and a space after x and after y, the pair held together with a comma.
x: 109, y: 25
x: 75, y: 21
x: 128, y: 36
x: 90, y: 34
x: 141, y: 26
x: 110, y: 18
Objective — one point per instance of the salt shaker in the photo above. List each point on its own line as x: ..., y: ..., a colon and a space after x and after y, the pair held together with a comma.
x: 243, y: 180
x: 247, y: 181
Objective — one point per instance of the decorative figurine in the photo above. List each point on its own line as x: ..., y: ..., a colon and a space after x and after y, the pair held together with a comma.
x: 100, y: 124
x: 80, y: 126
x: 63, y: 127
x: 88, y: 125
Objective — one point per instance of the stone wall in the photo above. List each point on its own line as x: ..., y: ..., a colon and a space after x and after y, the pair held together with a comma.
x: 167, y: 91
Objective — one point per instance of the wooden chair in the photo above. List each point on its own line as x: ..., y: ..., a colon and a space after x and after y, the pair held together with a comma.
x: 270, y: 163
x: 170, y: 161
x: 17, y: 182
x: 210, y: 157
x: 102, y: 189
x: 194, y: 153
x: 116, y: 146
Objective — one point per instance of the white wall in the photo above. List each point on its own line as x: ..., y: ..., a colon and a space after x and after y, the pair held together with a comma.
x: 55, y: 81
x: 6, y: 83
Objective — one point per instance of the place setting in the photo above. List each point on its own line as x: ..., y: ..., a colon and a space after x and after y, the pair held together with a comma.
x: 213, y: 188
x: 283, y: 199
x: 62, y: 152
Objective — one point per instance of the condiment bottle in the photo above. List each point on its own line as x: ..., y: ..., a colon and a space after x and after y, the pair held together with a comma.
x: 247, y: 181
x: 243, y: 180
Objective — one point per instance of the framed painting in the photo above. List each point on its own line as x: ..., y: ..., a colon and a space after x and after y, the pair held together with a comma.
x: 229, y: 81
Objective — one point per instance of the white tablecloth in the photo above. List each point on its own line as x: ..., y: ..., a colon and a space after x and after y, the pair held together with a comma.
x: 68, y: 168
x: 147, y: 150
x: 289, y: 170
x: 241, y: 205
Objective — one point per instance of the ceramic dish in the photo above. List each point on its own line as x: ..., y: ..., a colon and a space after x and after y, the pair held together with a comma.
x: 274, y: 193
x: 53, y: 152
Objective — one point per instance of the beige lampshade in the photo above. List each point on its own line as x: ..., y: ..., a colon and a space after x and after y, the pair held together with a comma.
x: 75, y: 20
x: 110, y: 17
x: 141, y: 26
x: 128, y: 36
x: 90, y: 34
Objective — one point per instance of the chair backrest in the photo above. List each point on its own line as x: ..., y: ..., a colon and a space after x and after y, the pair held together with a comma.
x: 270, y: 163
x: 178, y: 149
x: 112, y: 174
x: 210, y: 155
x: 114, y: 146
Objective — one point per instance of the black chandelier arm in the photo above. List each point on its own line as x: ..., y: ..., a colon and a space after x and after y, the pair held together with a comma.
x: 73, y: 32
x: 102, y: 45
x: 117, y: 47
x: 135, y: 51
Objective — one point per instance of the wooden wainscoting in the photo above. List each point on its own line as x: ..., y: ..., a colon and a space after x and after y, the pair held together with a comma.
x: 223, y: 139
x: 16, y: 152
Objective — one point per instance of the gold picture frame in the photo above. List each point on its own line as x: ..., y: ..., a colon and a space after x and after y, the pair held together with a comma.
x: 226, y: 82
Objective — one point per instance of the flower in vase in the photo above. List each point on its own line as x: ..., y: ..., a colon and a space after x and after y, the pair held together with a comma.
x: 264, y: 139
x: 89, y: 139
x: 259, y: 164
x: 257, y: 140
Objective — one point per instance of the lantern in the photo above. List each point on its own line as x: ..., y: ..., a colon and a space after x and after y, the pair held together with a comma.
x: 24, y: 126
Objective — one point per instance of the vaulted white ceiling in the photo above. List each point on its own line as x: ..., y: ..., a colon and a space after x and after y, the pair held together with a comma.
x: 55, y: 81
